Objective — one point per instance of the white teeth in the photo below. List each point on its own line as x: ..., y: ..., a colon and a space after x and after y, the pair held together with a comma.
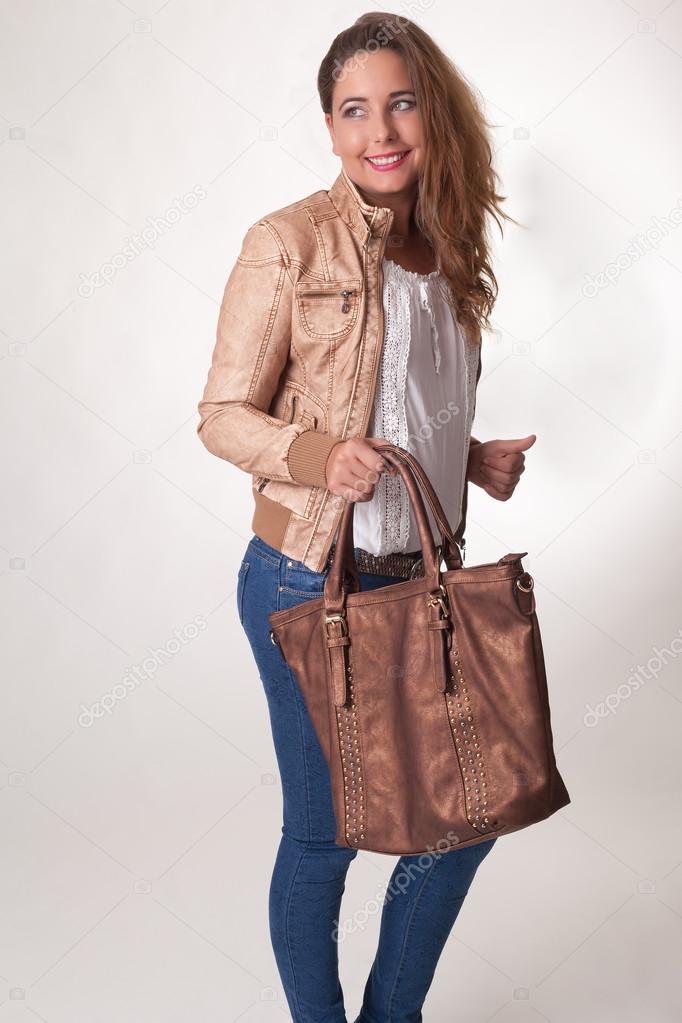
x: 385, y: 159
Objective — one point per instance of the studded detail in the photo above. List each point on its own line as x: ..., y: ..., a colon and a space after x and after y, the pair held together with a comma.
x: 351, y: 764
x: 465, y: 735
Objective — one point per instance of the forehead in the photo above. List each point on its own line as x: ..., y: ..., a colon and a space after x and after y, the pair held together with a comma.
x: 373, y: 75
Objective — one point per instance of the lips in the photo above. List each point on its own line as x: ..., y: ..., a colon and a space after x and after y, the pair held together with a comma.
x: 389, y: 161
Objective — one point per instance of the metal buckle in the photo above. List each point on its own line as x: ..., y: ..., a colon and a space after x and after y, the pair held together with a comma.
x: 440, y: 598
x: 338, y: 618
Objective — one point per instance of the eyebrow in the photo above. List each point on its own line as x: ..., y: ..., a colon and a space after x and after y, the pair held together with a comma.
x: 363, y: 99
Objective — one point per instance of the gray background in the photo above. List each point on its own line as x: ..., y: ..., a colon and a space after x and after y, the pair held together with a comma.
x: 137, y: 848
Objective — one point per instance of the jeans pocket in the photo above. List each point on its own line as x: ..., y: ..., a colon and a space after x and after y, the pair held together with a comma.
x: 241, y: 580
x: 301, y: 581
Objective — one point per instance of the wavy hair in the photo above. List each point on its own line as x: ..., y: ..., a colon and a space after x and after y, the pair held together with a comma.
x: 457, y: 183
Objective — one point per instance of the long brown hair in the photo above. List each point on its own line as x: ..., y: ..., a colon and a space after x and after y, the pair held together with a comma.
x: 457, y: 183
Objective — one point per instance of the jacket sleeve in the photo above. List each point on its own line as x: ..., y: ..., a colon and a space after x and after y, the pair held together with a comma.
x: 253, y: 341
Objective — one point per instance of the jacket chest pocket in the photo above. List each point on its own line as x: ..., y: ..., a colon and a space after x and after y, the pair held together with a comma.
x: 328, y: 309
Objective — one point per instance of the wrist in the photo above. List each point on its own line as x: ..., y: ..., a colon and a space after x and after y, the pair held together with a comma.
x: 472, y: 444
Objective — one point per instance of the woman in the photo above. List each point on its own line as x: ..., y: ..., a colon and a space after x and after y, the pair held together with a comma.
x: 353, y: 317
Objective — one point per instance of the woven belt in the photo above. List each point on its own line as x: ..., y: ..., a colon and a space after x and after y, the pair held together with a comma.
x: 406, y: 566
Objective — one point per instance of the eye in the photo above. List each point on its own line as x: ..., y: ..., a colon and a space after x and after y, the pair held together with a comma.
x: 410, y: 104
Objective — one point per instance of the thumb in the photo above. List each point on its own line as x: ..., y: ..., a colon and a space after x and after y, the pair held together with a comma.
x: 507, y: 447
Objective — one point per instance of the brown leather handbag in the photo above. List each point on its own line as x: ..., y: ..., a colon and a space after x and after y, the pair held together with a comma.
x: 428, y: 696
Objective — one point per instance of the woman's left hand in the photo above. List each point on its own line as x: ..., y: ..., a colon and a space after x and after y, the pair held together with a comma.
x: 496, y: 465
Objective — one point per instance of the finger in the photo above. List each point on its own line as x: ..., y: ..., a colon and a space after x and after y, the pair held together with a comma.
x: 356, y: 496
x: 499, y: 493
x: 387, y: 466
x: 353, y: 482
x: 504, y: 492
x: 372, y: 442
x: 362, y: 467
x: 499, y: 475
x: 507, y: 462
x: 504, y: 486
x: 370, y: 465
x: 493, y: 492
x: 496, y: 476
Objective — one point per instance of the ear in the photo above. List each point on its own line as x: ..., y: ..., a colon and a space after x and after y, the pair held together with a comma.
x: 332, y: 135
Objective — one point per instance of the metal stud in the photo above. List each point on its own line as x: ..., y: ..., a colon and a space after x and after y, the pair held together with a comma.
x: 461, y: 725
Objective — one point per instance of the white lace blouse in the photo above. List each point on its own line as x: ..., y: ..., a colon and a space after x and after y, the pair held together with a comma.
x: 424, y: 402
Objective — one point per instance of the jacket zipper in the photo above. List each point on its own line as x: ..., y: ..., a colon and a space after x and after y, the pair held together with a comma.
x: 345, y: 295
x: 380, y: 286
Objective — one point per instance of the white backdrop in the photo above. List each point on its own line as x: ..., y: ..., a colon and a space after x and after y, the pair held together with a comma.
x: 137, y: 144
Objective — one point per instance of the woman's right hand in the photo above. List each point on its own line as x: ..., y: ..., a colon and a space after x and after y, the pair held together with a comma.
x: 353, y: 468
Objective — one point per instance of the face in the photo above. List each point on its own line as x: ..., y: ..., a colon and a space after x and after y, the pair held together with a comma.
x: 374, y: 113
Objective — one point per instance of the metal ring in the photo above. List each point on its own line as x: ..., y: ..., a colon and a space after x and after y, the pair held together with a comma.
x: 526, y: 589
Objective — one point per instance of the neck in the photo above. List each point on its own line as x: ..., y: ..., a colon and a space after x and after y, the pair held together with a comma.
x: 402, y: 205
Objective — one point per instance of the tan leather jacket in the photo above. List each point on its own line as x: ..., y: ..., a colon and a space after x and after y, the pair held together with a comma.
x: 295, y: 363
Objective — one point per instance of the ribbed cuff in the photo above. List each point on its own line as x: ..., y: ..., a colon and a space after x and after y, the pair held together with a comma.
x: 307, y: 457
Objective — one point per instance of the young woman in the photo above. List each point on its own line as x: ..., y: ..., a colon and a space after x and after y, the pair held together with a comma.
x: 351, y: 317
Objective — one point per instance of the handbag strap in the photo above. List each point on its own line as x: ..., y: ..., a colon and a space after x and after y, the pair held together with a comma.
x: 451, y: 551
x: 343, y: 565
x: 449, y: 546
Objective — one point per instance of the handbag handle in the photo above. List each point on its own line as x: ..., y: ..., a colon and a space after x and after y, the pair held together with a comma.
x: 344, y: 564
x: 451, y: 551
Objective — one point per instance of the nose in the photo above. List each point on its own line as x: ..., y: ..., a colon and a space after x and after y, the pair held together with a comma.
x: 382, y: 127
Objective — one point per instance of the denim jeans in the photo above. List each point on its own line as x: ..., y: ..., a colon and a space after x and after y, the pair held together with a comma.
x: 425, y: 893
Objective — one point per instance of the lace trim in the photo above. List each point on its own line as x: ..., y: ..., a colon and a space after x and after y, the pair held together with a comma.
x: 399, y: 270
x: 389, y: 416
x: 390, y: 419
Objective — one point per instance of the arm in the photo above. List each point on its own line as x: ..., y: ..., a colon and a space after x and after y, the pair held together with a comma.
x: 472, y: 440
x: 253, y: 339
x: 472, y: 444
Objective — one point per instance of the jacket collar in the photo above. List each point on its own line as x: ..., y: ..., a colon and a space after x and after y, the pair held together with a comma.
x: 361, y: 217
x: 366, y: 220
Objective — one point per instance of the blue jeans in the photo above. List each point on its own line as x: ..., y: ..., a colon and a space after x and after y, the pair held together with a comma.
x: 425, y: 893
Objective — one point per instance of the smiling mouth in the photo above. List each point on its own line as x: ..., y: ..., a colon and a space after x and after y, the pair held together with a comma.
x: 388, y: 162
